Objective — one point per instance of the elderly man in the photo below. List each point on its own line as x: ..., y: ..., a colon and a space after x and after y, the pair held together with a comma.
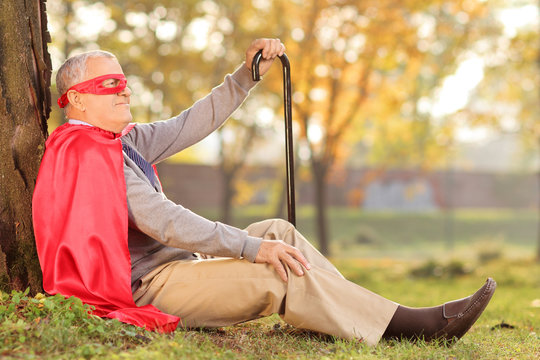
x: 105, y: 232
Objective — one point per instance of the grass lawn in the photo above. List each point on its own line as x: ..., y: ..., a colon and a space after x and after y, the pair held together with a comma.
x: 404, y: 257
x: 46, y: 327
x: 357, y: 233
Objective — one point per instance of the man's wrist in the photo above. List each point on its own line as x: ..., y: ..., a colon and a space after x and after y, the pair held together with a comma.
x: 251, y: 248
x: 243, y: 77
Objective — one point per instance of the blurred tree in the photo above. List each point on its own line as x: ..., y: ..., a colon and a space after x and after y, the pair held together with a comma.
x: 506, y: 100
x: 174, y: 53
x: 243, y: 130
x: 372, y: 71
x: 25, y: 71
x: 363, y: 71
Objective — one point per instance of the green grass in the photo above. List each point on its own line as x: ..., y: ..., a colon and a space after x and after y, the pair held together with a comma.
x: 51, y: 327
x: 356, y: 233
x: 404, y: 257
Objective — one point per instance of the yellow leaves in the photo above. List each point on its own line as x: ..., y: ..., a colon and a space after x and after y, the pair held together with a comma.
x: 414, y: 189
x: 190, y: 155
x: 355, y: 197
x: 375, y: 58
x: 395, y: 130
x: 246, y: 190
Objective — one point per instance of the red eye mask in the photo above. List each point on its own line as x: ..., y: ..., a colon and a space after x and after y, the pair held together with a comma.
x: 98, y: 86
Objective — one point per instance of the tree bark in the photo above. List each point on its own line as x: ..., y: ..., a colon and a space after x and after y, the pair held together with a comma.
x: 279, y: 211
x: 320, y: 172
x: 228, y: 195
x: 25, y: 72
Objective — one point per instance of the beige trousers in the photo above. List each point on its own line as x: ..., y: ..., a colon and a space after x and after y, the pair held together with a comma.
x: 222, y: 292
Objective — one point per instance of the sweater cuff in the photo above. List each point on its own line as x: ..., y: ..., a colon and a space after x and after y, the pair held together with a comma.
x: 242, y: 76
x: 251, y: 248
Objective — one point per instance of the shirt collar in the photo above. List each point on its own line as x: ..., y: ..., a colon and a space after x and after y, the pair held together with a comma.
x: 116, y: 135
x: 78, y: 122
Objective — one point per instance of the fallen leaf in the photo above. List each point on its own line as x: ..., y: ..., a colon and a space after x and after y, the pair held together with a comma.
x: 503, y: 325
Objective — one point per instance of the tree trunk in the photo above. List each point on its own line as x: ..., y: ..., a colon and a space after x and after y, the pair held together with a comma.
x: 281, y: 207
x: 279, y: 211
x: 25, y: 72
x: 228, y: 195
x: 319, y: 170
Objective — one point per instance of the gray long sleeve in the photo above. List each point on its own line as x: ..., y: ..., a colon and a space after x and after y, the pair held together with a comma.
x: 159, y: 140
x: 173, y: 225
x: 160, y: 230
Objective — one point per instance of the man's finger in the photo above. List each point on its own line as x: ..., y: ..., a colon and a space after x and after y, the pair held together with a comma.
x: 259, y: 44
x: 280, y: 269
x: 281, y: 49
x: 293, y: 264
x: 274, y: 47
x: 300, y: 257
x: 267, y: 48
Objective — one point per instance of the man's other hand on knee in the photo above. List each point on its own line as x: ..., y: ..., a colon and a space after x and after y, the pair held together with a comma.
x: 278, y: 254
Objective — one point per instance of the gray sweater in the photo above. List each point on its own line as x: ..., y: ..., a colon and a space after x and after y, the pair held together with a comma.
x: 161, y: 231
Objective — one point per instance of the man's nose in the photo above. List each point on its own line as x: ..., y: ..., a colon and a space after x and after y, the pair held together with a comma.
x: 125, y: 92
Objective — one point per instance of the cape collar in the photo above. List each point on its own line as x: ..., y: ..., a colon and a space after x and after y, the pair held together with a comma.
x: 127, y: 129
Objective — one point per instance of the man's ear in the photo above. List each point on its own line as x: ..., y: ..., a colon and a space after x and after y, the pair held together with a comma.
x: 76, y: 100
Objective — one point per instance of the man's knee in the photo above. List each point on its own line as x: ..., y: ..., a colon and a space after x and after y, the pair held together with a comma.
x: 270, y: 229
x: 280, y: 228
x: 275, y: 221
x: 281, y: 223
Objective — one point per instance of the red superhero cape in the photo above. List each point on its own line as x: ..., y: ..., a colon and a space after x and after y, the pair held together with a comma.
x: 81, y: 224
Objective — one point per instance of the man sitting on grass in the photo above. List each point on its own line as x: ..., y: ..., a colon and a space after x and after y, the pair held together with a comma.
x: 106, y: 233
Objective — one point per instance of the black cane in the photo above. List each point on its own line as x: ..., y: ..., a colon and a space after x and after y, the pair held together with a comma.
x: 289, y: 153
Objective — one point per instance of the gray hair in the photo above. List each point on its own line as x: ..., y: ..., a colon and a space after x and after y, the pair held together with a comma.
x: 73, y: 70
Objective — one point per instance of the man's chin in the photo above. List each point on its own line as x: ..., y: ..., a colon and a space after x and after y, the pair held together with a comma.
x: 119, y: 126
x: 126, y: 123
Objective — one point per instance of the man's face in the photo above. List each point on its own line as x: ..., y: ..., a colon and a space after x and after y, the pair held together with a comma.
x: 109, y: 112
